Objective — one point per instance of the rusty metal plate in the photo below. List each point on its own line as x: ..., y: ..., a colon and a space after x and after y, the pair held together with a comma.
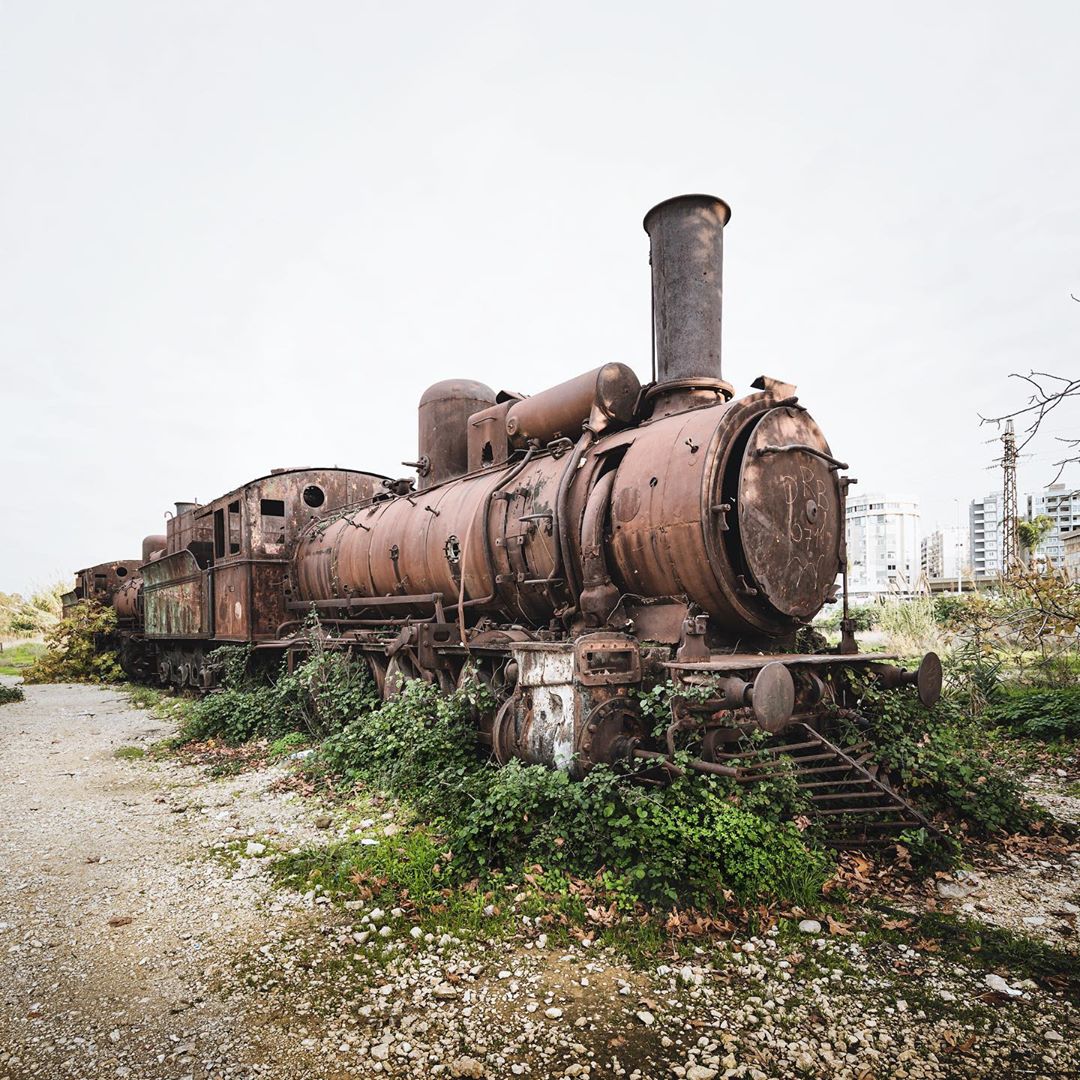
x: 789, y: 512
x: 928, y: 680
x: 774, y: 697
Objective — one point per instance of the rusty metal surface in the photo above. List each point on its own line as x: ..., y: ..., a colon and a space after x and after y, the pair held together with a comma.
x: 127, y: 601
x: 224, y: 576
x: 857, y: 807
x: 488, y: 443
x: 602, y: 397
x: 568, y: 550
x: 99, y: 583
x: 754, y: 661
x: 486, y: 538
x: 686, y: 252
x: 176, y: 598
x: 443, y: 416
x: 152, y: 544
x: 789, y: 513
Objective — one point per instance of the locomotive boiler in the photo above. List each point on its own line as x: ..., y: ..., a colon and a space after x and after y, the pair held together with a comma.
x: 571, y: 550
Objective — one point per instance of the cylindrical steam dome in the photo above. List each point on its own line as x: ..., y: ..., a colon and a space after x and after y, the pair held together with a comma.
x: 444, y: 415
x: 151, y: 544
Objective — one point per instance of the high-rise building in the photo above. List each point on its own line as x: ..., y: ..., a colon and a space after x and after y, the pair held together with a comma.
x: 882, y: 545
x: 1070, y: 541
x: 1062, y: 505
x: 986, y: 536
x: 945, y: 553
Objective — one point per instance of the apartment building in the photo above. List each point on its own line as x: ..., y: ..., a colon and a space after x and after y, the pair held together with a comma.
x: 1062, y: 505
x: 882, y: 545
x: 946, y: 553
x: 986, y: 536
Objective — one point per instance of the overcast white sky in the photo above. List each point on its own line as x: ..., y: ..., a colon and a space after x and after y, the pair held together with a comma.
x: 246, y: 235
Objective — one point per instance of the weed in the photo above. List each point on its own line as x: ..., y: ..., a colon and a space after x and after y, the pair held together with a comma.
x: 287, y: 745
x: 322, y: 695
x: 941, y: 756
x: 129, y: 753
x: 27, y: 617
x: 9, y: 694
x: 685, y: 843
x: 1038, y: 713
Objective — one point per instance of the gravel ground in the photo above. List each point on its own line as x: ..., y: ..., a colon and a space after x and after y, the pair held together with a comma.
x: 142, y: 938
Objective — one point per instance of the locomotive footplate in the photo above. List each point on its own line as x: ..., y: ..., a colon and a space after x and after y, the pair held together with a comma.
x: 926, y: 678
x: 754, y: 661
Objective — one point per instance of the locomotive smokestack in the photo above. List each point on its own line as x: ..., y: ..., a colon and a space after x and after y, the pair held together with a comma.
x: 686, y: 251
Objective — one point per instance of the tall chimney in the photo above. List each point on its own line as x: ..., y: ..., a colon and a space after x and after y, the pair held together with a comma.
x: 686, y: 251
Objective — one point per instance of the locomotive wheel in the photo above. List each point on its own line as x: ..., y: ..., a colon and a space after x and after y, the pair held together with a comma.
x: 608, y: 734
x: 399, y: 671
x: 504, y: 732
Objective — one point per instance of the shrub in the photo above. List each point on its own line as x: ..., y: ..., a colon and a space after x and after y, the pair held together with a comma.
x: 864, y: 616
x: 324, y: 692
x: 10, y: 694
x: 421, y: 744
x: 685, y: 843
x: 940, y: 756
x: 1040, y: 714
x: 75, y: 648
x: 909, y: 625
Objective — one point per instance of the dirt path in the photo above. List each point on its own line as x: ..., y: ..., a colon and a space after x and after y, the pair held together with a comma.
x: 140, y: 938
x: 111, y: 918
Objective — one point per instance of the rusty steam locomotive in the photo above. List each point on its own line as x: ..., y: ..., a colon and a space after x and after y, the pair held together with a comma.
x: 569, y: 549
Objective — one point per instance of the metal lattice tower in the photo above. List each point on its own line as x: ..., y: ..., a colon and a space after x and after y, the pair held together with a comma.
x: 1010, y: 548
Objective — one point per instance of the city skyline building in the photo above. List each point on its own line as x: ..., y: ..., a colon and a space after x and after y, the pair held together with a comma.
x: 1062, y: 505
x: 986, y: 536
x: 882, y: 532
x: 945, y: 553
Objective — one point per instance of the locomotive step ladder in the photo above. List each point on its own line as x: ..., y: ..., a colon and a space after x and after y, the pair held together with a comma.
x: 856, y: 807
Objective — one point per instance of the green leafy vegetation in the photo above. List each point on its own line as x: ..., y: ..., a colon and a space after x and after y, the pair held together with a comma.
x: 129, y: 753
x: 9, y: 694
x: 287, y: 745
x: 864, y: 616
x: 318, y: 698
x: 75, y: 649
x: 942, y: 757
x: 689, y: 842
x: 1041, y: 713
x: 685, y: 843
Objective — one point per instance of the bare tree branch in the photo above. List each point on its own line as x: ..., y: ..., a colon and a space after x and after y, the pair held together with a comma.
x: 1048, y: 391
